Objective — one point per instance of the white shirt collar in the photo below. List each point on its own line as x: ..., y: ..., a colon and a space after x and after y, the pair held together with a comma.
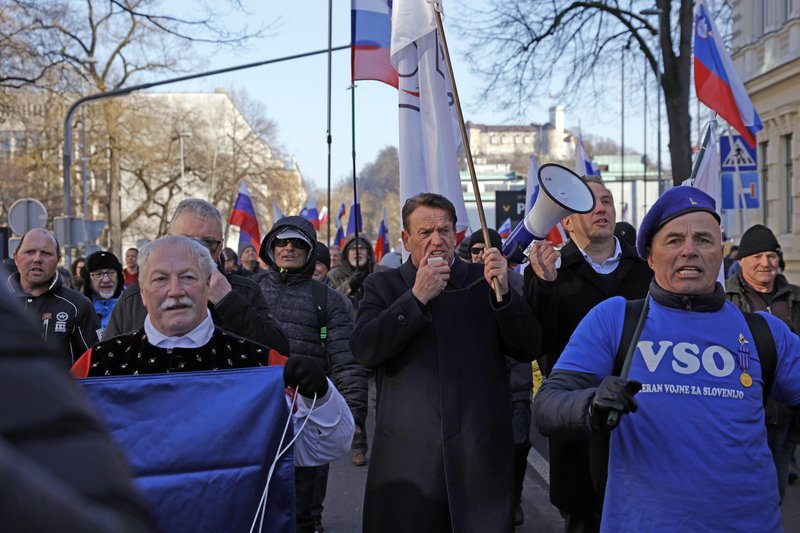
x: 609, y: 265
x: 199, y: 336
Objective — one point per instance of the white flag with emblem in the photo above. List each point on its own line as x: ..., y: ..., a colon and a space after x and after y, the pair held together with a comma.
x: 429, y: 134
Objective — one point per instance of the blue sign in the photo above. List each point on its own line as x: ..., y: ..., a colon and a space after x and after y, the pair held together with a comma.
x: 749, y: 198
x: 736, y: 154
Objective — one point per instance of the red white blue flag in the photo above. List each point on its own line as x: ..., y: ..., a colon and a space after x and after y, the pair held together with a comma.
x: 583, y: 165
x: 382, y: 242
x: 323, y: 216
x: 715, y: 79
x: 505, y: 229
x: 310, y: 213
x: 338, y: 239
x: 370, y: 37
x: 340, y: 213
x: 244, y: 216
x: 355, y: 220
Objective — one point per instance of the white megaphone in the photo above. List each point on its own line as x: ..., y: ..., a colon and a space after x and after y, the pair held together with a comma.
x: 565, y: 193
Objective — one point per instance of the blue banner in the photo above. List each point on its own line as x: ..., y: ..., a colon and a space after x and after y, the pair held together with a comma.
x: 201, y: 443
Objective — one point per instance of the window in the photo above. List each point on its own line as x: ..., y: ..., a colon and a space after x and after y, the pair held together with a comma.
x: 788, y: 6
x: 762, y: 157
x: 493, y: 139
x: 787, y: 211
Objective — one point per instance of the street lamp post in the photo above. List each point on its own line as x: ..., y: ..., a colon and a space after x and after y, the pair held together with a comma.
x: 183, y: 135
x: 657, y: 11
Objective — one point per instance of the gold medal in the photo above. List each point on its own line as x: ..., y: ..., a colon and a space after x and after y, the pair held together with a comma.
x: 745, y: 379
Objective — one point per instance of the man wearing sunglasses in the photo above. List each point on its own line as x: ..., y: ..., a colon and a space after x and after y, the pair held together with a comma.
x: 103, y: 281
x: 236, y: 303
x: 318, y: 321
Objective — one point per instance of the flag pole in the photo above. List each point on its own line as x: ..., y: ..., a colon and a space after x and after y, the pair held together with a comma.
x: 700, y: 154
x: 357, y: 208
x: 437, y: 8
x: 329, y: 138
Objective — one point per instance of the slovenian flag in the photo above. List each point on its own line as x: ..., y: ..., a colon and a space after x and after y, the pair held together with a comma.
x: 338, y: 239
x: 370, y: 40
x: 309, y: 212
x: 382, y: 242
x: 354, y: 220
x: 200, y: 445
x: 323, y: 216
x: 715, y: 80
x: 244, y: 216
x: 505, y: 229
x: 340, y: 213
x: 583, y: 165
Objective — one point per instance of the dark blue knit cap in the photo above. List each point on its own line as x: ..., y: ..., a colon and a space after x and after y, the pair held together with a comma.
x: 675, y: 202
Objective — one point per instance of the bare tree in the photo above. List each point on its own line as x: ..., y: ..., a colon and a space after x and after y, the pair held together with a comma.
x: 525, y: 47
x: 84, y: 46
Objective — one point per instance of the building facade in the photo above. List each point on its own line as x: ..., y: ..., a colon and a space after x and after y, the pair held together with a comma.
x: 766, y: 43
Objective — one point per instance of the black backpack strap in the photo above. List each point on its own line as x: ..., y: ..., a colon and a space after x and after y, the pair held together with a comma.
x: 599, y: 442
x: 319, y: 294
x: 765, y: 345
x: 633, y: 308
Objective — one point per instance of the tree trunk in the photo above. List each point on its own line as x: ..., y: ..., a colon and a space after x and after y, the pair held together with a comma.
x: 114, y: 214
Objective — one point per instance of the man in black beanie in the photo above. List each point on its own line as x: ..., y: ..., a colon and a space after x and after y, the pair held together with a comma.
x: 103, y: 282
x: 759, y: 286
x: 323, y: 264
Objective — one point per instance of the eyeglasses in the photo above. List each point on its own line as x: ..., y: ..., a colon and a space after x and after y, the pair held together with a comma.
x: 475, y: 250
x: 99, y: 274
x: 294, y: 241
x: 211, y: 244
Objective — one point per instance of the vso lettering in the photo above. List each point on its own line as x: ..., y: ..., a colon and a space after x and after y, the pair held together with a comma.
x: 687, y: 357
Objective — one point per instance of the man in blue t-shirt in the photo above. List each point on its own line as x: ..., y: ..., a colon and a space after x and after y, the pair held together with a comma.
x: 692, y: 455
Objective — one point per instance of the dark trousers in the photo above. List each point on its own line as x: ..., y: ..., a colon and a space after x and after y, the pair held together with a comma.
x: 520, y: 465
x: 311, y: 485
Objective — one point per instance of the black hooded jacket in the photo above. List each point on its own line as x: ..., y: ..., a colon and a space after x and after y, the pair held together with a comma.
x: 289, y: 295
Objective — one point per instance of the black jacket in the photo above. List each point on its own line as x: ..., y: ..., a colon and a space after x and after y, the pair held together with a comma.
x: 443, y: 435
x: 243, y: 312
x: 67, y: 318
x: 289, y: 295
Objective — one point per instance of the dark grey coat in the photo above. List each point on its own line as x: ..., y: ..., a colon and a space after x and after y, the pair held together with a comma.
x: 289, y: 296
x: 443, y: 445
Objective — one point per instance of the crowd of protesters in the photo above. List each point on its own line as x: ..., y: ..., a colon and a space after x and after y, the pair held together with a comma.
x: 669, y: 399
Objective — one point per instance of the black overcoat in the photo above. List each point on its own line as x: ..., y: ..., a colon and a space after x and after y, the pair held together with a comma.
x: 443, y: 447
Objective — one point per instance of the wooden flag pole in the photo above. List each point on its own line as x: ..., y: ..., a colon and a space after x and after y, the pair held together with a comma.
x: 437, y: 8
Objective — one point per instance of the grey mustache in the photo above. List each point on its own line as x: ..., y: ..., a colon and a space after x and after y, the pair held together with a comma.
x: 183, y: 301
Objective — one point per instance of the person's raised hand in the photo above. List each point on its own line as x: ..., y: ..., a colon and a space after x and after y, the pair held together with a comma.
x: 219, y: 287
x: 432, y: 277
x: 544, y: 258
x: 495, y: 267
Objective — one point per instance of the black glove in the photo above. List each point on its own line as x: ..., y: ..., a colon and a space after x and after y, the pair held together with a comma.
x: 305, y: 373
x: 613, y: 394
x: 356, y: 280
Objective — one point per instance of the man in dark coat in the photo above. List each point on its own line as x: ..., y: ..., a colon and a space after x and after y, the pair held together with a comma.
x: 236, y: 303
x: 442, y: 457
x: 594, y: 266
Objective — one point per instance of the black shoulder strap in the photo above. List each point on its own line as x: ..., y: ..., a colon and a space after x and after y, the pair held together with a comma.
x: 765, y: 345
x: 633, y: 308
x: 319, y: 293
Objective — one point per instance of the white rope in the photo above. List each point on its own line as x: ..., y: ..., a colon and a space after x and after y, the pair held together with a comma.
x: 262, y: 504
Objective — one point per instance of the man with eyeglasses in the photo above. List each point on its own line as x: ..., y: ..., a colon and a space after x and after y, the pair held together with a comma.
x: 318, y: 321
x: 236, y: 303
x: 103, y: 282
x: 68, y: 322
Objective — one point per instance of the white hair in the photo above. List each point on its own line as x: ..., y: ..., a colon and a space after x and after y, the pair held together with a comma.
x: 197, y: 250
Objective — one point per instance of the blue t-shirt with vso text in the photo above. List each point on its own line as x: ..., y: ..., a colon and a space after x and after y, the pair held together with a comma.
x: 694, y: 457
